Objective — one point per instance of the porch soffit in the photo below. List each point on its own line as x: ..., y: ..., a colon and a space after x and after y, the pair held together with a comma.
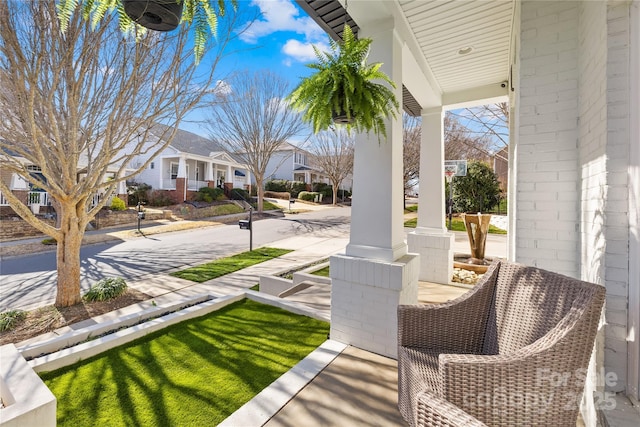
x: 437, y: 30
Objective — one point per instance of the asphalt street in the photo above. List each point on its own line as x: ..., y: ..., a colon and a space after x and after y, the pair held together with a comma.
x: 29, y: 281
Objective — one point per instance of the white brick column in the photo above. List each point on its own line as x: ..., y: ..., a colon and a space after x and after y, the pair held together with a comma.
x: 431, y: 239
x: 376, y: 273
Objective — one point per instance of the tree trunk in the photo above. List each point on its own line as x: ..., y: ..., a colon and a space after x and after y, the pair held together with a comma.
x: 335, y: 193
x: 260, y: 195
x: 68, y: 257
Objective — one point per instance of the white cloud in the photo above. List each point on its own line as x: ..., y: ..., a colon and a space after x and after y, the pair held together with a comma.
x: 302, y: 52
x: 280, y: 15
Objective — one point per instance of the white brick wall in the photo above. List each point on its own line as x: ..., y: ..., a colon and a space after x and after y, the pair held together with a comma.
x: 547, y: 219
x: 365, y: 295
x: 573, y: 153
x: 436, y: 255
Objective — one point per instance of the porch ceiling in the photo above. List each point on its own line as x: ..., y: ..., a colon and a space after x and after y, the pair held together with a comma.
x: 438, y: 33
x: 445, y: 29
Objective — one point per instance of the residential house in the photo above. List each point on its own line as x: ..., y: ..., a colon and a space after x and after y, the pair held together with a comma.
x: 189, y: 163
x: 37, y: 198
x: 570, y: 71
x: 292, y: 163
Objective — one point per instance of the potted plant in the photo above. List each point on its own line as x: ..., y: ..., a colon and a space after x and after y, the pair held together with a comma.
x: 343, y: 90
x: 158, y: 15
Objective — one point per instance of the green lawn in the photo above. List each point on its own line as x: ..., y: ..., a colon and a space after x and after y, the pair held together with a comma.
x: 456, y: 225
x: 195, y: 373
x: 266, y: 206
x: 220, y: 267
x: 324, y: 272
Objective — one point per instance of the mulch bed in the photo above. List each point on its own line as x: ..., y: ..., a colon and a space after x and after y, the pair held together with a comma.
x: 50, y: 318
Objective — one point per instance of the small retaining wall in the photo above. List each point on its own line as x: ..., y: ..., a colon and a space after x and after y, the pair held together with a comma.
x: 17, y: 228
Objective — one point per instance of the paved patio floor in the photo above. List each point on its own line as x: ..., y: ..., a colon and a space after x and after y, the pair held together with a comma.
x: 358, y: 388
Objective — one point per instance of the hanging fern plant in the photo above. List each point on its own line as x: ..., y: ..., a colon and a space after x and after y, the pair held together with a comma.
x: 135, y: 16
x: 343, y: 90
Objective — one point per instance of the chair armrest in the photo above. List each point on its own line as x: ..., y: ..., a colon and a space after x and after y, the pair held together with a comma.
x: 457, y: 326
x: 541, y: 382
x: 433, y: 411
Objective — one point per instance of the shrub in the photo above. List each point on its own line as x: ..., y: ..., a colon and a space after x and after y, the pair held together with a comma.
x: 10, y: 319
x: 117, y: 204
x: 239, y: 194
x: 138, y: 192
x: 106, y: 289
x: 277, y: 195
x: 277, y: 185
x: 295, y: 187
x: 325, y: 189
x: 477, y: 191
x: 207, y: 194
x: 160, y: 198
x: 308, y: 196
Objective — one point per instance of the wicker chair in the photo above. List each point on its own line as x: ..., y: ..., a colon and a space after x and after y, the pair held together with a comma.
x: 513, y: 351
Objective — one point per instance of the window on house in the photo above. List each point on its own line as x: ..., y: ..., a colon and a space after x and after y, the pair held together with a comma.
x: 174, y: 170
x: 152, y: 165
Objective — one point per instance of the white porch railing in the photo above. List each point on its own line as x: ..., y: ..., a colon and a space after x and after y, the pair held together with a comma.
x: 196, y: 185
x: 168, y: 184
x: 192, y: 185
x: 38, y: 198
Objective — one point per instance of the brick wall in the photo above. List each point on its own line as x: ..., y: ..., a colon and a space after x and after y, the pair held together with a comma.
x: 615, y: 273
x: 547, y: 205
x: 16, y: 228
x: 573, y: 146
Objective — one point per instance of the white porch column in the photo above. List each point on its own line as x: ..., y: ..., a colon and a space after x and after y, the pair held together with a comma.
x: 182, y: 167
x: 431, y: 239
x: 376, y: 274
x: 229, y: 176
x: 210, y: 175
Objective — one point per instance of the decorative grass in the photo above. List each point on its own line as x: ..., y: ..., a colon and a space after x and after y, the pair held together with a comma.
x: 106, y: 289
x: 222, y: 266
x: 195, y: 373
x: 10, y: 319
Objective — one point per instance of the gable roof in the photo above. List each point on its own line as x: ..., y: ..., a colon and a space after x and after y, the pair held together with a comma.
x: 188, y: 142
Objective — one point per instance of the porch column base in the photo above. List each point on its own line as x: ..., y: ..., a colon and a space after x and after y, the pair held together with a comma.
x: 365, y: 295
x: 436, y: 254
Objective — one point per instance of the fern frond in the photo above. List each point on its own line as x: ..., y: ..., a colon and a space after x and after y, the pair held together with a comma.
x: 65, y: 9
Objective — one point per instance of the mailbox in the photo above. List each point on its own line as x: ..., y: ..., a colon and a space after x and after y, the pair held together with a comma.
x: 244, y: 224
x: 140, y: 215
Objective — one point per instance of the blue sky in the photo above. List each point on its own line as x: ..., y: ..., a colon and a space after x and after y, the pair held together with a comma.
x: 281, y: 40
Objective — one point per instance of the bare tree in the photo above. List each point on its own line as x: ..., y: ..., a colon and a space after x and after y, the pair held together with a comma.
x: 253, y: 119
x: 332, y: 153
x: 79, y: 105
x: 411, y: 137
x: 487, y: 123
x: 459, y: 142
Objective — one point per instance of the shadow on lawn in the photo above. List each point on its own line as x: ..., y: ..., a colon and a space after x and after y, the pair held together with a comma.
x: 194, y: 373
